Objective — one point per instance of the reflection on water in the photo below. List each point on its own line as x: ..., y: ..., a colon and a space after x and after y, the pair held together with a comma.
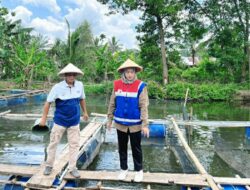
x: 19, y: 145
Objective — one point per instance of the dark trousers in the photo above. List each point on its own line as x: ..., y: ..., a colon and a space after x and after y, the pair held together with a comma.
x: 135, y: 142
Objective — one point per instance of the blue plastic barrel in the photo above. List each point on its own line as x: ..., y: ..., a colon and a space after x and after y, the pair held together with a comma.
x: 234, y: 187
x: 37, y: 98
x: 70, y: 183
x: 17, y: 100
x: 3, y: 103
x: 247, y: 132
x: 157, y: 129
x: 15, y: 186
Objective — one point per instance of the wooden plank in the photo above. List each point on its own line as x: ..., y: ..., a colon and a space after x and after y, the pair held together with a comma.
x: 39, y: 180
x: 5, y: 112
x: 161, y: 178
x: 168, y: 178
x: 232, y: 181
x: 214, y: 123
x: 6, y: 169
x: 195, y: 160
x: 246, y: 186
x: 153, y: 178
x: 18, y: 115
x: 197, y: 122
x: 31, y: 116
x: 23, y: 94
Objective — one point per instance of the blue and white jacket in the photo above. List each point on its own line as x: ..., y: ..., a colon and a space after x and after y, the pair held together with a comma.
x: 67, y: 102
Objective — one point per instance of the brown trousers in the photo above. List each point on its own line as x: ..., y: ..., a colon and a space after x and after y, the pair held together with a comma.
x: 73, y: 136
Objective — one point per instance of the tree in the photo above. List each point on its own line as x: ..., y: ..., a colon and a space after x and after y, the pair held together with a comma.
x: 10, y: 32
x: 28, y: 58
x: 104, y: 57
x: 114, y: 46
x: 242, y: 11
x: 232, y: 17
x: 194, y: 30
x: 157, y: 15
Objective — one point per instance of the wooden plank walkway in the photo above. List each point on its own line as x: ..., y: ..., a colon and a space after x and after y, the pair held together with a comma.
x: 38, y: 180
x: 161, y: 178
x: 149, y: 178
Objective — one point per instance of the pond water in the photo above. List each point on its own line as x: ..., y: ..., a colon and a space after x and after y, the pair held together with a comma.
x: 19, y: 145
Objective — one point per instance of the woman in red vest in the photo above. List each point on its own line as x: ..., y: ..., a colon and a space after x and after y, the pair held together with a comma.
x: 128, y: 108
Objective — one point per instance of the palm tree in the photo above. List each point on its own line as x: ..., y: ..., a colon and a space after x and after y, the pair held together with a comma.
x: 114, y: 46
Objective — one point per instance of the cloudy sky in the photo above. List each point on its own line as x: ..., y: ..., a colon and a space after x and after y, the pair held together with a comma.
x: 47, y: 18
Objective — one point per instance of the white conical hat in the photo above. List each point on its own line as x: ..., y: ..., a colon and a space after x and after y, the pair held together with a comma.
x: 70, y: 68
x: 129, y: 64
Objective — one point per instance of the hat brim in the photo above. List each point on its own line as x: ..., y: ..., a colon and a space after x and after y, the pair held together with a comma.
x: 137, y: 69
x: 63, y: 74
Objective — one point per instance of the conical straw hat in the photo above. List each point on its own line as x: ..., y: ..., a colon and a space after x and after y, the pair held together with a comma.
x: 129, y: 64
x: 70, y: 68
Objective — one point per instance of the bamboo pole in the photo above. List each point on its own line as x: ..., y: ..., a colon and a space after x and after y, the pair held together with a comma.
x: 186, y: 97
x: 193, y: 157
x: 105, y: 115
x: 23, y: 94
x: 24, y: 115
x: 5, y: 112
x: 99, y: 114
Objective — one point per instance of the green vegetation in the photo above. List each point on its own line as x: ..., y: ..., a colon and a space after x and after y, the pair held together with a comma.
x: 176, y: 91
x: 170, y: 31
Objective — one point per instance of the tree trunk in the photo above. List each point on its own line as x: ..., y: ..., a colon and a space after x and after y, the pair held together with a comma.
x: 246, y: 47
x: 193, y: 54
x: 69, y: 40
x: 248, y: 63
x: 244, y: 65
x: 106, y: 75
x: 31, y: 76
x: 163, y: 50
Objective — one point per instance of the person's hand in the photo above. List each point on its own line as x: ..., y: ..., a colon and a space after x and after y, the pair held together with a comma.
x: 42, y: 122
x: 109, y: 125
x: 85, y: 117
x: 145, y: 132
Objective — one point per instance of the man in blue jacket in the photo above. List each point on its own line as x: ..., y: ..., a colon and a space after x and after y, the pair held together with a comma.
x: 68, y: 96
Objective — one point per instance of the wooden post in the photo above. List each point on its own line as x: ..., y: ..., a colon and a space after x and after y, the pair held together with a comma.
x: 197, y: 163
x: 186, y: 97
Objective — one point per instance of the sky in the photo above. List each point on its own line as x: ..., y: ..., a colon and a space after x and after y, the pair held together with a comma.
x: 47, y: 17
